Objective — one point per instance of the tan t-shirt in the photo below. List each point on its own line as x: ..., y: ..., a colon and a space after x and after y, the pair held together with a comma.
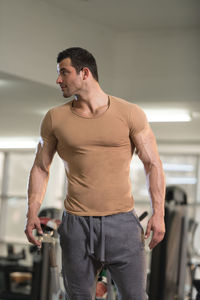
x: 96, y: 153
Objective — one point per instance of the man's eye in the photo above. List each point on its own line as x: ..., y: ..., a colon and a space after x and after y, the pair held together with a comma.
x: 63, y: 72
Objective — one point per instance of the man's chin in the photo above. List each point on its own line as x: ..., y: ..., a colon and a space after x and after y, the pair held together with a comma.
x: 66, y: 95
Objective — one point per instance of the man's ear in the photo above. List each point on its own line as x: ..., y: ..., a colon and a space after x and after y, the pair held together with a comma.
x: 85, y: 72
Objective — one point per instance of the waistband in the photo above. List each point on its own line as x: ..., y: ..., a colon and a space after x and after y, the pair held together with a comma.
x: 90, y: 246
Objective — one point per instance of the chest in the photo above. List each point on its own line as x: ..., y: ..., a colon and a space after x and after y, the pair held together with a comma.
x: 92, y: 132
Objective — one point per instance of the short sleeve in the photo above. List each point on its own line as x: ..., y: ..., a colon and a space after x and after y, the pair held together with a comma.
x: 46, y: 131
x: 137, y: 120
x: 47, y: 144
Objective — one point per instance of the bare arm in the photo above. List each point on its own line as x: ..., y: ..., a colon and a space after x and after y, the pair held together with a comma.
x: 147, y: 151
x: 37, y: 184
x: 38, y: 178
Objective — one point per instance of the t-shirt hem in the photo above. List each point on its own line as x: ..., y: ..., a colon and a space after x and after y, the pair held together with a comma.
x: 99, y: 213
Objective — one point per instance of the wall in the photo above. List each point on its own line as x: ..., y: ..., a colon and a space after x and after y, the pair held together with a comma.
x: 153, y: 58
x: 149, y: 67
x: 32, y: 33
x: 161, y: 68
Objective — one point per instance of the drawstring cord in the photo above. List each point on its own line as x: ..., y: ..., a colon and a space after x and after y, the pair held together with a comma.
x: 102, y: 257
x: 102, y: 250
x: 91, y: 236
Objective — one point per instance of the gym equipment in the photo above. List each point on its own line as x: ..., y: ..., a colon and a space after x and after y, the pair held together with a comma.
x: 193, y: 264
x: 45, y: 281
x: 169, y: 258
x: 15, y: 277
x: 18, y: 281
x: 45, y: 265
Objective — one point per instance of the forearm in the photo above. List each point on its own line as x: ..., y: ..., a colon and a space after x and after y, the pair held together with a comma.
x: 147, y: 151
x: 156, y: 186
x: 36, y: 189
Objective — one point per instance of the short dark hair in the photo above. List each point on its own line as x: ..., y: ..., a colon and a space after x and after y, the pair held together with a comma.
x: 80, y: 58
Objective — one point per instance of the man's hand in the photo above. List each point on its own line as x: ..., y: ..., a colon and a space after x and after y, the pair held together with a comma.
x: 157, y: 225
x: 33, y: 223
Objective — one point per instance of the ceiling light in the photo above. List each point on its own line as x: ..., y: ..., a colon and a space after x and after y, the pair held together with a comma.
x: 181, y: 180
x: 17, y: 143
x: 178, y: 167
x: 3, y: 82
x: 167, y: 115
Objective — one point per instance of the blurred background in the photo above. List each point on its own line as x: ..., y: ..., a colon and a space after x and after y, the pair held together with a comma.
x: 147, y: 52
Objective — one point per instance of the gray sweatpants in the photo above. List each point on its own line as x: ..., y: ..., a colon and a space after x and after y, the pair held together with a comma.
x: 91, y: 243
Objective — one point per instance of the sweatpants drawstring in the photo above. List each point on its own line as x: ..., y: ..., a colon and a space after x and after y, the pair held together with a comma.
x: 102, y: 243
x: 91, y: 236
x: 102, y: 256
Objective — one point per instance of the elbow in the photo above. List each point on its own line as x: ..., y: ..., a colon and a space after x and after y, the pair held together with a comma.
x: 152, y: 165
x: 40, y: 169
x: 148, y: 167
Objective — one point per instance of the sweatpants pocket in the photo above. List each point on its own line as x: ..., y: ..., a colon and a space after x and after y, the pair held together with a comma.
x: 135, y: 216
x: 60, y: 227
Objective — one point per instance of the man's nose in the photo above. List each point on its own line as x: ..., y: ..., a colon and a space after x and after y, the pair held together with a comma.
x: 59, y: 79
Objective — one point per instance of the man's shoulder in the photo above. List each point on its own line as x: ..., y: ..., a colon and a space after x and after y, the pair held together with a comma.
x: 57, y: 112
x: 127, y: 105
x: 132, y: 112
x: 119, y: 100
x: 59, y: 108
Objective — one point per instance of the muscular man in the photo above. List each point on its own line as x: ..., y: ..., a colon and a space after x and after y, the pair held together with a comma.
x: 96, y: 135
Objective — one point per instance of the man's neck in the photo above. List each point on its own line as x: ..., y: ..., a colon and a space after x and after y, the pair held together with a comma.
x: 91, y: 100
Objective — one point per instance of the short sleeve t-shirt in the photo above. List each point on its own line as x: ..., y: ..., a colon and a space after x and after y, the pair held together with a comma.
x: 97, y: 153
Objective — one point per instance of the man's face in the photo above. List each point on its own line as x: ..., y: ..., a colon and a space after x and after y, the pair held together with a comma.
x: 69, y: 81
